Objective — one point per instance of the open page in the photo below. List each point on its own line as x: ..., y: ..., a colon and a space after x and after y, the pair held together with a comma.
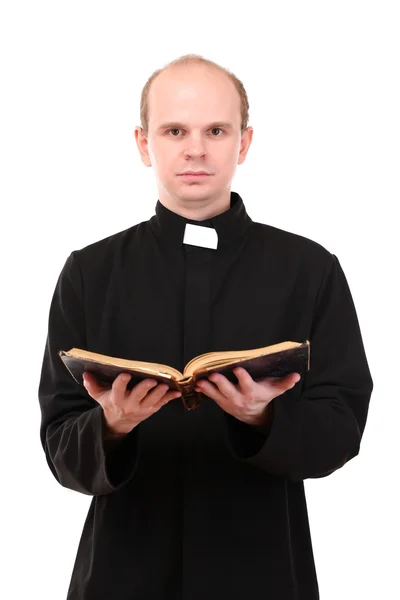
x: 210, y: 360
x: 122, y: 363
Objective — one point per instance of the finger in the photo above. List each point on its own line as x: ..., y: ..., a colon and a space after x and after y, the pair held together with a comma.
x: 279, y: 385
x: 289, y: 381
x: 223, y: 384
x: 141, y: 390
x: 120, y: 382
x: 138, y: 391
x: 170, y: 395
x: 246, y: 382
x: 209, y: 389
x: 94, y: 389
x: 294, y: 377
x: 154, y: 396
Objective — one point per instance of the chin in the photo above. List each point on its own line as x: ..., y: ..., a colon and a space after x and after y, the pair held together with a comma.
x: 194, y: 193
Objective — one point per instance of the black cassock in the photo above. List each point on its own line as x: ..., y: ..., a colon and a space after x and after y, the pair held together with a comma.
x: 196, y: 505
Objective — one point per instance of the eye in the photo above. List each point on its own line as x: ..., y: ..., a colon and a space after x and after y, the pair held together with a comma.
x: 213, y: 129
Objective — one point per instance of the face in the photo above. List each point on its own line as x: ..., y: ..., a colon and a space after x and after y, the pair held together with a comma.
x: 194, y: 124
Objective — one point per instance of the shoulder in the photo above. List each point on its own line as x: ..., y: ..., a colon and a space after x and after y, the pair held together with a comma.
x: 287, y: 246
x: 105, y: 251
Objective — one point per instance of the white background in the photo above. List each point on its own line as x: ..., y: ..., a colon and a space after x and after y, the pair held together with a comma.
x: 323, y: 85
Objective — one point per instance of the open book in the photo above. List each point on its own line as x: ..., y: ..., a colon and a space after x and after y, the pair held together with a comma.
x: 276, y: 360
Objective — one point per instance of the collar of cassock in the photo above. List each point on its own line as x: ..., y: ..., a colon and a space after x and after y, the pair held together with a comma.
x: 226, y: 228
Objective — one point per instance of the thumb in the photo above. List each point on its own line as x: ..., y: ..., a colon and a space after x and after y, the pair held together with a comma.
x: 286, y: 381
x: 92, y: 386
x: 292, y: 378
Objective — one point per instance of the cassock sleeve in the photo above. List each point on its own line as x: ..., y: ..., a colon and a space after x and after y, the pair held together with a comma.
x: 314, y: 433
x: 72, y: 424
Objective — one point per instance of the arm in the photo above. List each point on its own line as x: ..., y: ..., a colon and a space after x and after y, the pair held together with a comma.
x: 73, y: 430
x: 312, y: 434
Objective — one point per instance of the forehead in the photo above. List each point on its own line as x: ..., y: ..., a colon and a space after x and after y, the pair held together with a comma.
x: 193, y: 94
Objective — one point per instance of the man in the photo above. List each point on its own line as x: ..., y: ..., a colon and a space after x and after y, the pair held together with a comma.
x: 206, y: 503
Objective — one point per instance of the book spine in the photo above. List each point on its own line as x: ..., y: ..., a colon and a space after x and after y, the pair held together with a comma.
x: 190, y: 398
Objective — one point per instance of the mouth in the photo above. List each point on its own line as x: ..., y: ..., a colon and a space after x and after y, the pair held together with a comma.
x: 194, y: 176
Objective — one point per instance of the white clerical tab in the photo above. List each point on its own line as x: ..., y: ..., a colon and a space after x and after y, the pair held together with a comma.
x: 196, y: 235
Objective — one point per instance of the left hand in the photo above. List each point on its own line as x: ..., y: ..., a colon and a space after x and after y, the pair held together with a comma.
x: 248, y: 400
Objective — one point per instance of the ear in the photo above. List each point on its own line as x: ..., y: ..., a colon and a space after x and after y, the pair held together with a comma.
x: 245, y: 143
x: 142, y: 144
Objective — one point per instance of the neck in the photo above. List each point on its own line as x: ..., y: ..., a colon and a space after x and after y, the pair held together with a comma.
x: 197, y: 209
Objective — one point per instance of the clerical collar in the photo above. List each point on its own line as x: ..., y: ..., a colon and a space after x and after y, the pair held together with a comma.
x: 230, y: 225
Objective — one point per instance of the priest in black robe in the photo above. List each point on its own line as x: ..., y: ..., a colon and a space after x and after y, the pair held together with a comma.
x: 198, y: 504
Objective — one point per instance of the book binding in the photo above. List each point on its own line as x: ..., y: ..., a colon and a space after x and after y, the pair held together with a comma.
x: 190, y: 398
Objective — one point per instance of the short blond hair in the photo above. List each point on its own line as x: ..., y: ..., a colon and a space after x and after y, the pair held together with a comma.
x: 187, y: 60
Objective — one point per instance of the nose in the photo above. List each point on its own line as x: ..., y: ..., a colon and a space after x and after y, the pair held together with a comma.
x: 195, y: 146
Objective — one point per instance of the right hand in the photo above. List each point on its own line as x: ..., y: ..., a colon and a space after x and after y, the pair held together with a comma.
x: 123, y: 410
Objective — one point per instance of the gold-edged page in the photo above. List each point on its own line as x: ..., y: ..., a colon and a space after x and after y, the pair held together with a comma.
x: 142, y: 366
x: 210, y: 360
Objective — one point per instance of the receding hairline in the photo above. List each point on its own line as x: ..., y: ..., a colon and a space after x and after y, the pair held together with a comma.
x: 192, y: 65
x: 190, y: 62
